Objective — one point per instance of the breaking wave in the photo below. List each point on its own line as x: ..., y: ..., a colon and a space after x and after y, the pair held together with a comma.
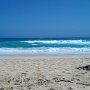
x: 59, y: 41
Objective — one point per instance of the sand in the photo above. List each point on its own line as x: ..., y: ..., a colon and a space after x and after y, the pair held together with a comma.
x: 44, y: 73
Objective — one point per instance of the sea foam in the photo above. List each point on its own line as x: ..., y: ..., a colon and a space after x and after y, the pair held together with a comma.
x: 45, y: 51
x: 59, y: 41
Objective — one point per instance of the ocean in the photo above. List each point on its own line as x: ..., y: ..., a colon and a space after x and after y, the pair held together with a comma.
x: 45, y: 46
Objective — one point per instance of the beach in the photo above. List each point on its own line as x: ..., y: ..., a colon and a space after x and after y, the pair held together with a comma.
x: 44, y: 73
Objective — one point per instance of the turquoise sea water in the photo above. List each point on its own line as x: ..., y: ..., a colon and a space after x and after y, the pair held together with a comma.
x: 54, y: 46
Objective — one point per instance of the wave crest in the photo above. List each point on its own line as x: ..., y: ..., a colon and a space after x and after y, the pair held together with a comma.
x: 59, y: 41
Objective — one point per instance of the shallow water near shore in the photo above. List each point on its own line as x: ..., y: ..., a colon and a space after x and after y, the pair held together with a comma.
x: 60, y: 46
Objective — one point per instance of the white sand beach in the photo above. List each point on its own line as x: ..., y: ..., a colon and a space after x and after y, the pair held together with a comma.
x: 44, y: 73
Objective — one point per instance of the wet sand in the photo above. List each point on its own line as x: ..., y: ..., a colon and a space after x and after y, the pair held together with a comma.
x: 44, y: 73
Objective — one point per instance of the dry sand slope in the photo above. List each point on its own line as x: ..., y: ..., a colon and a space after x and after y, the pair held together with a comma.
x: 44, y: 73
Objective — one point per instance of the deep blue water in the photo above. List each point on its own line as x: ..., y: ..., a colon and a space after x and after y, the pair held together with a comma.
x: 44, y: 46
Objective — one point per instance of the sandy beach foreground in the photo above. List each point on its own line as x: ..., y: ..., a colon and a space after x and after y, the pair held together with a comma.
x: 44, y: 73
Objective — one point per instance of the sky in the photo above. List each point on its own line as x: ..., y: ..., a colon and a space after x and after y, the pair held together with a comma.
x: 44, y: 18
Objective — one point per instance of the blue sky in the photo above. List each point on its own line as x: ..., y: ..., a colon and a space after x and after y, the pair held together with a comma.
x: 44, y: 18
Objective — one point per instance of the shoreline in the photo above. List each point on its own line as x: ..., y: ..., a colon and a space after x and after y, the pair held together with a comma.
x: 62, y: 56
